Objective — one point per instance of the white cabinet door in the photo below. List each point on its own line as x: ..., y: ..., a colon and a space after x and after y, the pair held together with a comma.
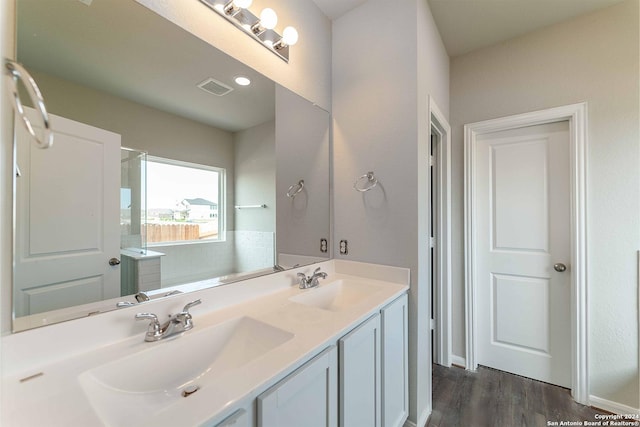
x: 360, y: 375
x: 307, y: 397
x: 395, y: 369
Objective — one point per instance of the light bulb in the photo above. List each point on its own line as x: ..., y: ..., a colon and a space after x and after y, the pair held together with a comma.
x: 290, y: 36
x: 268, y: 19
x: 244, y: 4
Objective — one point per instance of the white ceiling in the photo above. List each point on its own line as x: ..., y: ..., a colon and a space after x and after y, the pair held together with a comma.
x: 467, y: 25
x: 336, y: 8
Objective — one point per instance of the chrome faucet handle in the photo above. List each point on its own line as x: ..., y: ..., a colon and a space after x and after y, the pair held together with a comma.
x: 191, y: 304
x: 150, y: 316
x: 154, y: 332
x: 317, y: 273
x: 123, y: 304
x: 302, y: 280
x: 174, y: 292
x: 185, y: 319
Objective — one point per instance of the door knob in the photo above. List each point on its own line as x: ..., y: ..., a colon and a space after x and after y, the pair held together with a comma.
x: 559, y: 267
x: 114, y: 262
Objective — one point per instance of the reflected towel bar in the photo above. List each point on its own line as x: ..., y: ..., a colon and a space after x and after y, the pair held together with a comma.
x: 251, y: 207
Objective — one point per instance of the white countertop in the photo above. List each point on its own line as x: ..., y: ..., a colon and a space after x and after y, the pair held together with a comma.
x: 56, y: 397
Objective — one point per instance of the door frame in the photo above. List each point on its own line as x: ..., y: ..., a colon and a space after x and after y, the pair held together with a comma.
x: 442, y: 315
x: 576, y: 115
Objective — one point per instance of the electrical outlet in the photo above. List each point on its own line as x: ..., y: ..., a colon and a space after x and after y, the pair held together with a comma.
x: 344, y: 247
x: 324, y: 246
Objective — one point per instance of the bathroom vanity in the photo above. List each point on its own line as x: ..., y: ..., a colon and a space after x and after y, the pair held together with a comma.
x: 262, y: 353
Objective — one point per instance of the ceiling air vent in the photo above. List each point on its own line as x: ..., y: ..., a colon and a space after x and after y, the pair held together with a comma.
x: 215, y: 87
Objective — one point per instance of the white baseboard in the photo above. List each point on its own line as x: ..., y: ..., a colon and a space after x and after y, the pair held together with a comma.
x: 614, y: 407
x: 457, y: 360
x: 421, y: 422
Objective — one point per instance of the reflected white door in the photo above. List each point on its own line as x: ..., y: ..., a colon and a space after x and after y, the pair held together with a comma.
x: 523, y: 214
x: 67, y: 217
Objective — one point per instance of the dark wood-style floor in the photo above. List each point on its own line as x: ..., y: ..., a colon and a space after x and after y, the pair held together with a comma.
x: 491, y: 398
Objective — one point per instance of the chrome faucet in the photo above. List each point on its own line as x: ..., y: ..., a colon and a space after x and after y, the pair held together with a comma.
x: 142, y: 296
x: 177, y: 323
x: 307, y: 282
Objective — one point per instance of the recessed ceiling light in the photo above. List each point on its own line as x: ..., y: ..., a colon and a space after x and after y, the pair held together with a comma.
x: 242, y: 81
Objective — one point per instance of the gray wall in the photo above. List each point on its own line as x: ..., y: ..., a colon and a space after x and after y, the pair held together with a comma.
x: 255, y: 177
x: 302, y: 152
x: 593, y: 58
x: 387, y: 56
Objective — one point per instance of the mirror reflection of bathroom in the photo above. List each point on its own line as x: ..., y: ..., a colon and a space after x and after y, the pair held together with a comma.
x: 191, y: 202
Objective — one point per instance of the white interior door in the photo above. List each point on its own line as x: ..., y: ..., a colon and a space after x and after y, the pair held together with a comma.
x: 67, y: 217
x: 523, y: 223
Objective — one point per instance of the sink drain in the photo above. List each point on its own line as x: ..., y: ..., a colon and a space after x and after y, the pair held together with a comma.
x: 188, y: 391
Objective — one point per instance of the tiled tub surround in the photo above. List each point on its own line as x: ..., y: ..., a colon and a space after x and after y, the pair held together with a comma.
x: 62, y: 353
x: 191, y: 262
x: 254, y: 250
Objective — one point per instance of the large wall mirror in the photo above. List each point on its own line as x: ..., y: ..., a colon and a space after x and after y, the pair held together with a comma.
x: 167, y: 173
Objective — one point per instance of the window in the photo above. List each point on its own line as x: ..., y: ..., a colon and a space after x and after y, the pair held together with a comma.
x: 184, y: 201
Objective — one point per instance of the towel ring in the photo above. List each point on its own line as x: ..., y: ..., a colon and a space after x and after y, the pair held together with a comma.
x: 371, y: 182
x: 295, y: 189
x: 16, y: 72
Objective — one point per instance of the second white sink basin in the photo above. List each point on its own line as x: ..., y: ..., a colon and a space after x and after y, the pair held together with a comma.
x: 336, y: 296
x: 127, y: 390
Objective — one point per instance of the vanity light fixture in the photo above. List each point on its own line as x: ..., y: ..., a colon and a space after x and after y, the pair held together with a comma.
x: 261, y: 29
x: 233, y: 7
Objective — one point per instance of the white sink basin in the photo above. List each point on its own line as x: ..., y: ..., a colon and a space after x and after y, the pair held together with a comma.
x: 336, y: 296
x: 128, y: 390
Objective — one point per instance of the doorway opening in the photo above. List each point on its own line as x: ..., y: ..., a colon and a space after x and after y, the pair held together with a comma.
x: 439, y: 235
